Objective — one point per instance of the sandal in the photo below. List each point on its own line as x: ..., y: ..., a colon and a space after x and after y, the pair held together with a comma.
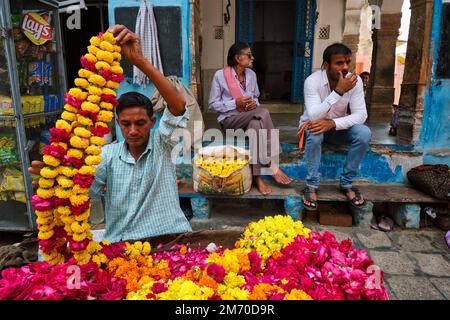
x: 356, y: 198
x: 307, y: 196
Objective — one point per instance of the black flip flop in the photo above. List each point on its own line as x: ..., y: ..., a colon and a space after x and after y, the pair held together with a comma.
x: 356, y: 198
x: 307, y: 194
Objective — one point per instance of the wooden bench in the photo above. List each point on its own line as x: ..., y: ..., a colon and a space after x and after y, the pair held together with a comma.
x: 407, y: 199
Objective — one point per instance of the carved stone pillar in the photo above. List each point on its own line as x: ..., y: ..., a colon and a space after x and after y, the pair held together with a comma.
x: 380, y: 94
x: 417, y: 72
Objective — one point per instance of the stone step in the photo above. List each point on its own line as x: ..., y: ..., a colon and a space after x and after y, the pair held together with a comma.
x: 407, y: 199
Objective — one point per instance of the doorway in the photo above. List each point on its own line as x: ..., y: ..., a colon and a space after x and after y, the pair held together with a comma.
x: 281, y: 34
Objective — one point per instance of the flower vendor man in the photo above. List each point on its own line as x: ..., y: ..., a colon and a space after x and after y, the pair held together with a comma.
x: 141, y: 198
x: 335, y: 112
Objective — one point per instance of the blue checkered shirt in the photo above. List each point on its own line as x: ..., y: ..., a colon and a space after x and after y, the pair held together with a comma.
x: 141, y: 198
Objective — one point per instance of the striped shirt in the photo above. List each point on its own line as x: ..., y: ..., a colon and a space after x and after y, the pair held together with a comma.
x: 141, y: 199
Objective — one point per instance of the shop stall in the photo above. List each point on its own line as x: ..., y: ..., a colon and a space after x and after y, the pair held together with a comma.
x: 32, y: 86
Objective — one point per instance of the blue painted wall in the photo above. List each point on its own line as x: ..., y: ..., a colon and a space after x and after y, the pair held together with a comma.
x: 436, y: 119
x: 128, y: 85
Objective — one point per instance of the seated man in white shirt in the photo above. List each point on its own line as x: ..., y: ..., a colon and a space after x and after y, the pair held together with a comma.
x: 329, y: 94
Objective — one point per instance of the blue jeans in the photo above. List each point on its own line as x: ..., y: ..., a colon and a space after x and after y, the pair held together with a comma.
x: 357, y: 138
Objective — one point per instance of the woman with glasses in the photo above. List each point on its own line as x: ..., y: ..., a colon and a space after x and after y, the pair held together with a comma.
x: 234, y: 96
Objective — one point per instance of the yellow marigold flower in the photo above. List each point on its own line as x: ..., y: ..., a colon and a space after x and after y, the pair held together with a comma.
x: 94, y: 98
x: 115, y: 64
x: 95, y: 41
x: 67, y: 171
x: 79, y: 190
x: 78, y: 227
x: 97, y: 80
x: 106, y: 105
x: 102, y: 124
x: 62, y: 124
x: 51, y: 161
x: 48, y: 173
x: 105, y: 45
x: 63, y: 193
x: 80, y: 82
x: 95, y: 90
x: 64, y: 210
x: 77, y: 92
x: 89, y: 106
x: 79, y: 237
x: 108, y: 36
x: 98, y: 141
x: 75, y: 153
x: 84, y: 121
x: 93, y: 247
x: 90, y: 57
x: 64, y: 181
x: 79, y: 143
x: 93, y: 160
x: 68, y: 220
x: 93, y: 150
x: 69, y: 116
x: 70, y: 108
x: 83, y: 217
x: 79, y: 199
x: 45, y: 235
x: 105, y: 116
x: 117, y: 56
x: 45, y: 193
x: 82, y: 257
x: 296, y: 294
x: 112, y: 84
x: 117, y: 69
x: 82, y: 132
x: 46, y: 183
x: 93, y: 50
x: 105, y: 56
x: 83, y: 73
x: 109, y: 91
x: 117, y: 49
x: 87, y: 170
x: 44, y: 221
x: 44, y: 214
x: 47, y: 227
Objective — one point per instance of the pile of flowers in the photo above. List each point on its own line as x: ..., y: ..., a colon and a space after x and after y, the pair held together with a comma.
x: 42, y: 281
x: 220, y: 167
x: 61, y: 202
x: 296, y: 264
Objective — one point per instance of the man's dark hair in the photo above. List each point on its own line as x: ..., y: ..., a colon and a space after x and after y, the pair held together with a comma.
x: 234, y: 50
x: 334, y: 49
x: 365, y: 73
x: 134, y: 99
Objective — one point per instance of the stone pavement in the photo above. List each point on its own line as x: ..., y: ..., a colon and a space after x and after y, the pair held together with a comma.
x: 416, y: 262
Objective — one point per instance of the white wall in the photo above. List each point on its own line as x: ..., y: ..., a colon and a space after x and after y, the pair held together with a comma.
x: 213, y: 55
x: 214, y: 52
x: 331, y: 12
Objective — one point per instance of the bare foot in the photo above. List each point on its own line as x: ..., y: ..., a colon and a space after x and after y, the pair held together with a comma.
x: 262, y: 186
x: 279, y: 176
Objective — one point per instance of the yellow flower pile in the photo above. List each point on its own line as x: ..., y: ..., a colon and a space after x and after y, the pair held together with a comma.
x: 220, y: 167
x: 271, y: 234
